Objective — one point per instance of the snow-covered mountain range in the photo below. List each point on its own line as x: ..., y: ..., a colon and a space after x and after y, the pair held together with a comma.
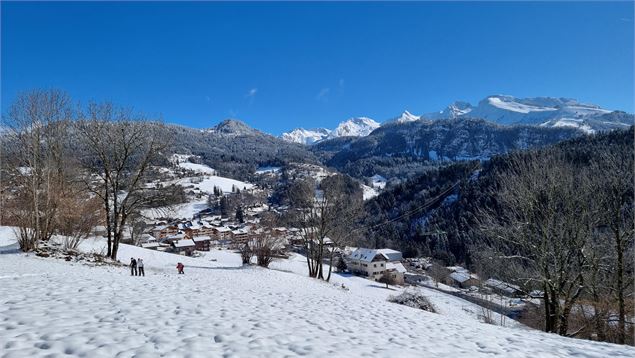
x: 499, y: 109
x: 306, y: 136
x: 541, y: 111
x: 353, y: 127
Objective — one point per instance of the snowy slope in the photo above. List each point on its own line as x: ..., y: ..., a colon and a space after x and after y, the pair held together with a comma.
x: 54, y: 308
x: 182, y: 161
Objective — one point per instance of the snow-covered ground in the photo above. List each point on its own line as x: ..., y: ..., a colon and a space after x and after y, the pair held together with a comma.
x: 182, y: 161
x: 368, y: 192
x: 180, y: 211
x: 201, y: 184
x: 268, y: 169
x: 55, y: 308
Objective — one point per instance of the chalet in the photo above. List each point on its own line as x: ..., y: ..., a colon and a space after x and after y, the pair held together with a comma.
x: 240, y: 234
x: 503, y: 288
x: 183, y: 247
x: 163, y: 231
x: 176, y: 237
x: 150, y: 245
x: 397, y: 271
x: 146, y: 238
x: 202, y: 243
x: 222, y: 233
x: 392, y: 255
x: 368, y: 263
x: 464, y: 279
x: 206, y: 229
x: 192, y: 230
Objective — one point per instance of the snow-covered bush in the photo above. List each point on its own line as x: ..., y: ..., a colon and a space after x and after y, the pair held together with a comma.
x: 414, y: 300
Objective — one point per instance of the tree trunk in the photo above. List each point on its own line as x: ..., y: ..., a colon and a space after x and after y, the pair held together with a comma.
x: 328, y: 277
x: 621, y: 324
x: 548, y: 313
x: 563, y: 326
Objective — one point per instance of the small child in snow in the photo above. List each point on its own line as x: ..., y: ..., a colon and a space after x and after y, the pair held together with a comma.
x: 140, y: 267
x: 180, y: 267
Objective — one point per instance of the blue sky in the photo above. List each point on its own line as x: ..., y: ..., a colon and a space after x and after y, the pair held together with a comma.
x: 283, y: 65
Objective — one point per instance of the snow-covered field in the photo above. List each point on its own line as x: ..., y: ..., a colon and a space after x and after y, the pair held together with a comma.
x: 55, y: 308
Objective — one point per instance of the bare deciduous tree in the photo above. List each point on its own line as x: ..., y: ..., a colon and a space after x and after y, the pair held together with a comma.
x: 326, y: 214
x: 119, y: 148
x: 614, y: 194
x: 36, y: 166
x: 542, y: 223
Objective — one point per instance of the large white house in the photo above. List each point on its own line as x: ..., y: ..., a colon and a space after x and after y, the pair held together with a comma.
x: 374, y: 263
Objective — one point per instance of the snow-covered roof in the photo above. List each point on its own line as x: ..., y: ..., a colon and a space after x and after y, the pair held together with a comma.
x: 392, y: 255
x: 178, y: 236
x: 460, y: 276
x: 223, y: 229
x: 396, y: 266
x: 150, y: 245
x: 147, y: 238
x: 458, y: 269
x: 242, y: 231
x: 183, y: 243
x: 366, y: 255
x: 500, y: 285
x: 201, y: 238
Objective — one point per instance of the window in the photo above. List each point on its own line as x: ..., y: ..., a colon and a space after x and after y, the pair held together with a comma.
x: 375, y: 265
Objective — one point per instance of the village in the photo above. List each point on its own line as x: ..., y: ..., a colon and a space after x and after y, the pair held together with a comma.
x: 209, y: 230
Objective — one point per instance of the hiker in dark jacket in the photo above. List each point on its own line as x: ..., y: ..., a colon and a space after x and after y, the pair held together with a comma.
x: 140, y: 267
x: 180, y: 267
x: 133, y: 267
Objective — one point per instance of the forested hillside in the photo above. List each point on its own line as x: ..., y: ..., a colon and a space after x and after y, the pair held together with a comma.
x: 405, y: 149
x: 234, y: 149
x: 447, y: 230
x: 556, y: 222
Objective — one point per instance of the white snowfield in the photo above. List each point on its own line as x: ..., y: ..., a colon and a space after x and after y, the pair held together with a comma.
x: 52, y: 308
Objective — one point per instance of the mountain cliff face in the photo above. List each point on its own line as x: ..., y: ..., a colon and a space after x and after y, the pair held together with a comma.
x: 539, y: 111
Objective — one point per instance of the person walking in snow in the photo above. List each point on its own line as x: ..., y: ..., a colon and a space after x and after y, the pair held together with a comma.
x: 133, y: 267
x: 179, y: 268
x: 140, y: 267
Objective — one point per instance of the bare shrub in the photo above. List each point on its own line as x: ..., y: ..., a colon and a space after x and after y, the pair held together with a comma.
x: 77, y: 216
x: 414, y: 300
x: 264, y: 248
x: 486, y: 316
x: 438, y: 273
